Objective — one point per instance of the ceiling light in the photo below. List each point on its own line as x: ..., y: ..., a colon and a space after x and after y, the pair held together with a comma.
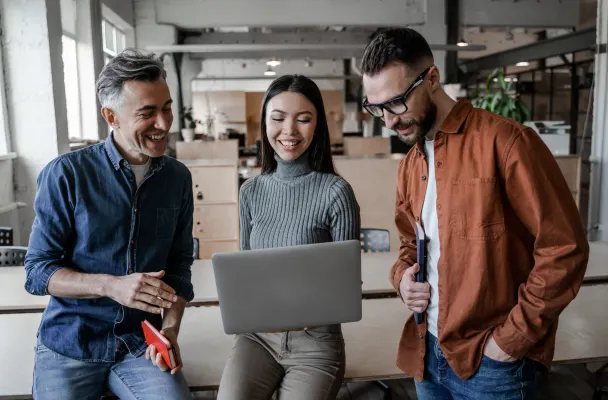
x: 273, y: 62
x: 522, y: 64
x: 462, y: 43
x: 270, y: 72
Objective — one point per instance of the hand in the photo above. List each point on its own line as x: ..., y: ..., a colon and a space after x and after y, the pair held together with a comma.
x: 142, y: 291
x: 416, y: 295
x: 157, y: 358
x: 496, y: 353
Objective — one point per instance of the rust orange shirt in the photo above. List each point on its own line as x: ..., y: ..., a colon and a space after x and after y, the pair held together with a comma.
x: 513, y: 247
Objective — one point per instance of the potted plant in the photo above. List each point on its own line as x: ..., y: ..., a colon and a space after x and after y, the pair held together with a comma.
x: 505, y: 101
x: 189, y: 123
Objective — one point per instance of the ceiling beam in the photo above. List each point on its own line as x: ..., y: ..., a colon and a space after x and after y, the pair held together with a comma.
x: 530, y: 13
x: 196, y: 14
x: 283, y: 50
x: 257, y: 77
x: 581, y: 40
x: 311, y: 37
x: 283, y: 55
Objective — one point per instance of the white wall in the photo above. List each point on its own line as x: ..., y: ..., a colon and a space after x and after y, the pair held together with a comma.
x: 123, y: 8
x: 68, y: 16
x: 598, y: 196
x: 190, y: 69
x: 31, y: 45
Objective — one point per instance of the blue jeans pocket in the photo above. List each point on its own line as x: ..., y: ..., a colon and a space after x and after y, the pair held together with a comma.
x: 505, y: 380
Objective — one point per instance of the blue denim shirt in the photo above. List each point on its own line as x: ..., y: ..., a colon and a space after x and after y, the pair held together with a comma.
x: 91, y: 217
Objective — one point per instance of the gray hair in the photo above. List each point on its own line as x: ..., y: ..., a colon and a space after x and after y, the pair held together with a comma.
x: 130, y: 64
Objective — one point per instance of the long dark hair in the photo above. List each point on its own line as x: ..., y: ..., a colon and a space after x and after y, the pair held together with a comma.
x: 319, y: 151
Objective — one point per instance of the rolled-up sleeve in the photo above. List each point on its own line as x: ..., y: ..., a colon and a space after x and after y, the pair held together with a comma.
x: 178, y: 272
x: 52, y: 227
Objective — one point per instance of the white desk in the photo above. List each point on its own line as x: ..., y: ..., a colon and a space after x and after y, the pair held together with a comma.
x: 375, y: 269
x: 371, y: 344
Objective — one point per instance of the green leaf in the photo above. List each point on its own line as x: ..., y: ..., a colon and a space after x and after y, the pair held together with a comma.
x: 484, y: 103
x: 491, y: 80
x: 496, y: 101
x: 501, y: 82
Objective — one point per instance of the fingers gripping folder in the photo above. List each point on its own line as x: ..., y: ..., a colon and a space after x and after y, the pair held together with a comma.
x: 421, y: 260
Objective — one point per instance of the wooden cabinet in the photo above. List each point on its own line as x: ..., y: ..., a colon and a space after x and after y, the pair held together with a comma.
x: 366, y: 146
x: 216, y: 209
x: 217, y: 149
x: 373, y: 181
x: 253, y: 110
x: 333, y: 100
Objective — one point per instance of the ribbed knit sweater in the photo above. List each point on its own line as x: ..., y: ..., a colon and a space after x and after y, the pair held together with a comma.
x: 296, y: 205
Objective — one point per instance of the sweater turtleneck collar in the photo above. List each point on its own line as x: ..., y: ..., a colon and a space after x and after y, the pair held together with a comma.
x: 293, y: 168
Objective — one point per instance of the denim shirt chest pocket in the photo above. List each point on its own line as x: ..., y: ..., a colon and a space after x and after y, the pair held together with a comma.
x: 166, y: 222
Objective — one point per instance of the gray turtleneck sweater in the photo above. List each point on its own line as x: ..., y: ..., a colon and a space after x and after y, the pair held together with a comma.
x: 296, y: 205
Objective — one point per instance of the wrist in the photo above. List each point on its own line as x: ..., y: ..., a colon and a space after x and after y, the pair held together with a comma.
x: 105, y: 287
x: 171, y: 330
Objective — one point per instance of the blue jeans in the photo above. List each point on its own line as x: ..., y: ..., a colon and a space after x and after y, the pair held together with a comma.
x: 494, y: 380
x: 60, y: 377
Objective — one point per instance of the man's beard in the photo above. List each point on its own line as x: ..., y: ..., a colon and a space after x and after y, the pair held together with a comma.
x: 424, y: 126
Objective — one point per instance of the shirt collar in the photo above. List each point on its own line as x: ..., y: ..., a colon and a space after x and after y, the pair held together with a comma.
x: 113, y: 152
x: 454, y: 121
x: 456, y: 117
x: 118, y: 160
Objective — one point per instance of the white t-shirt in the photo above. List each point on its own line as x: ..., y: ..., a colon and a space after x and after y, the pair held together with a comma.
x: 431, y: 230
x: 140, y: 171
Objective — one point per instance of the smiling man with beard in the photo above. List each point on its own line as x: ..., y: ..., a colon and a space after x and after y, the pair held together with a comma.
x: 112, y: 245
x: 506, y: 249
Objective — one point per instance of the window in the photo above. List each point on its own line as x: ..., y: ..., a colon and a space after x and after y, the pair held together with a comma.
x: 114, y: 40
x: 72, y: 93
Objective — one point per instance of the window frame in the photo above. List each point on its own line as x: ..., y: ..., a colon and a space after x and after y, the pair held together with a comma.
x: 5, y: 137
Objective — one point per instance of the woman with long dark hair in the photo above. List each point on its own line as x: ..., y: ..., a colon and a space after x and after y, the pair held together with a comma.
x: 298, y: 199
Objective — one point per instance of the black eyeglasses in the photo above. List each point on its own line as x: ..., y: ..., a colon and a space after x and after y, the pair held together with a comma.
x: 396, y: 105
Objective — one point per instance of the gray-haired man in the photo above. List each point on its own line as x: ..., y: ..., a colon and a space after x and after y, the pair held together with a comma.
x: 112, y: 245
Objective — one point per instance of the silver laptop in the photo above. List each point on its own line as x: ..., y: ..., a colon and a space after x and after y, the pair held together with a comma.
x: 289, y: 287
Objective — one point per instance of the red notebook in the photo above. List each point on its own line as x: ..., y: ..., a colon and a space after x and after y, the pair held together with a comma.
x: 161, y: 343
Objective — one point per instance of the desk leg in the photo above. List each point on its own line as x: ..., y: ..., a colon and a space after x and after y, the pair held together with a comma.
x: 385, y: 389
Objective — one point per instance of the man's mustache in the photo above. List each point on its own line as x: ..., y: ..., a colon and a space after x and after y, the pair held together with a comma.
x: 403, y: 125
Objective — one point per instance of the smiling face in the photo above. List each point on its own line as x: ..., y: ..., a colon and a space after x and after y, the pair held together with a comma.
x: 291, y: 120
x: 392, y: 81
x: 142, y: 120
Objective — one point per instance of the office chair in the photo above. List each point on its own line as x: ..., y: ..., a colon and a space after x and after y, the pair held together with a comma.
x: 12, y: 256
x: 375, y: 240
